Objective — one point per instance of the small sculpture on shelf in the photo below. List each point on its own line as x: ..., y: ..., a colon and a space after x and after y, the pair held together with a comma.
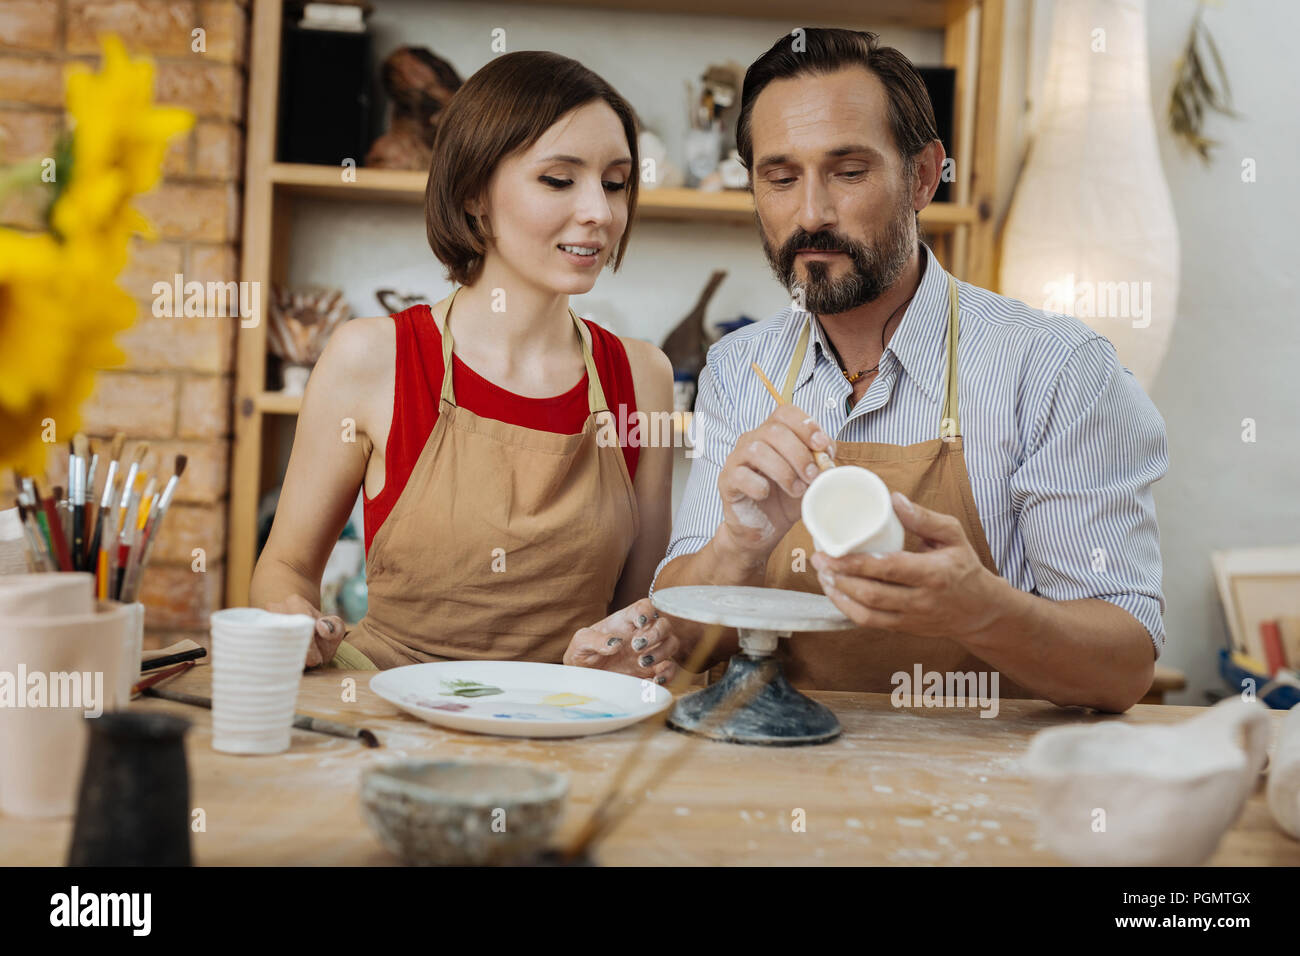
x: 419, y: 85
x: 301, y: 323
x: 713, y: 122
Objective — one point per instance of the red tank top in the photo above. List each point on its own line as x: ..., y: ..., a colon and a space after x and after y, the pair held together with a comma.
x: 418, y: 385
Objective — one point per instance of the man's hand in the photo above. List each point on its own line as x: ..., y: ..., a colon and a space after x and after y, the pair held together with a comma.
x: 764, y: 478
x: 940, y: 591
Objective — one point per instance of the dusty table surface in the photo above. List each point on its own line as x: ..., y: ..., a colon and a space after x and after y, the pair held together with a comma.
x: 900, y: 786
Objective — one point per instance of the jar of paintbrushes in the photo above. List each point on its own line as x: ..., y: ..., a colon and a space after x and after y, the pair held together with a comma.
x: 109, y: 532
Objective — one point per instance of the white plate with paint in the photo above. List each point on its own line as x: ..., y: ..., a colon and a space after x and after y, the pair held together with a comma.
x: 520, y: 698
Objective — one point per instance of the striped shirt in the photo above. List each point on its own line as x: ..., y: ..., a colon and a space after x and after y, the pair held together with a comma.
x: 1061, y: 443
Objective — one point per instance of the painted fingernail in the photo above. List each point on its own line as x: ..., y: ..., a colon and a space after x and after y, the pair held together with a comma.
x: 811, y: 471
x: 613, y: 641
x: 640, y: 621
x: 647, y: 660
x: 656, y: 615
x: 661, y: 680
x: 638, y: 643
x: 329, y: 626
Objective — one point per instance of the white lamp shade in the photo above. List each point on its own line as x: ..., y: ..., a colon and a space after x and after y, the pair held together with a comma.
x: 1091, y: 229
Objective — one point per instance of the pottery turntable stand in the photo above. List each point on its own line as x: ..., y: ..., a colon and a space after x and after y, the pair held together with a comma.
x: 777, y: 715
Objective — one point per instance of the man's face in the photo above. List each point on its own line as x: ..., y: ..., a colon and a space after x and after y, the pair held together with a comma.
x: 833, y: 196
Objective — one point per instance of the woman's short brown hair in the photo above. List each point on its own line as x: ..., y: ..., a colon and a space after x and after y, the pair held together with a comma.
x: 505, y: 107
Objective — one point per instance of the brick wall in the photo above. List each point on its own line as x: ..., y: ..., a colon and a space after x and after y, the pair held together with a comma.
x: 175, y: 389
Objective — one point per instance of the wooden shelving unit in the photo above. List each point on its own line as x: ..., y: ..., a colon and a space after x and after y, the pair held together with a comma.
x: 680, y: 205
x: 961, y: 232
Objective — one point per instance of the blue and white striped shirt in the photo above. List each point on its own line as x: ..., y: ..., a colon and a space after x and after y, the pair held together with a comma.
x: 1061, y: 443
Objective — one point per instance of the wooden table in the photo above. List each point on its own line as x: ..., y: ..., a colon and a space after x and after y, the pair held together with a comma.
x: 912, y: 786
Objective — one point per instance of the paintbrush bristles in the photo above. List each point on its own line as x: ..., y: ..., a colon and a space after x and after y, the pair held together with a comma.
x: 115, y: 450
x: 181, y: 462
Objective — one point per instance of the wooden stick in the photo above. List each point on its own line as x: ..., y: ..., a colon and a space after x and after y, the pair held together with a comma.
x: 317, y: 725
x: 178, y: 658
x: 824, y: 461
x: 146, y: 683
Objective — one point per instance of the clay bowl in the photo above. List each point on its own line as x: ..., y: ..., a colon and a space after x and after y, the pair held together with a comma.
x: 463, y: 813
x: 1117, y: 794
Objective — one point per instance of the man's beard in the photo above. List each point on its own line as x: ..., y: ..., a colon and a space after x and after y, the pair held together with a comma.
x: 872, y: 270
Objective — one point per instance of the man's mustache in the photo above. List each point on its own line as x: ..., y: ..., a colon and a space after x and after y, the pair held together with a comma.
x: 821, y: 241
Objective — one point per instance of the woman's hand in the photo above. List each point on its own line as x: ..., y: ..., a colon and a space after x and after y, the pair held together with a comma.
x: 635, y: 640
x: 330, y: 629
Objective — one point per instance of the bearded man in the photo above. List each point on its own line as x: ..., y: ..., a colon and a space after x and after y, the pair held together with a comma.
x: 1019, y: 450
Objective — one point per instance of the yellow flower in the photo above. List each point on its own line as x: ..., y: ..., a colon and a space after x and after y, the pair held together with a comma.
x: 60, y: 306
x: 119, y: 140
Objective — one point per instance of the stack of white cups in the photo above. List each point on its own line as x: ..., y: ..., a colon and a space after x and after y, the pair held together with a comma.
x: 257, y: 662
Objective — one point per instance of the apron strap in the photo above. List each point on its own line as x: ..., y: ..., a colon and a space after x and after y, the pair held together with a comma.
x: 595, y: 394
x: 448, y: 392
x: 950, y: 383
x: 796, y: 362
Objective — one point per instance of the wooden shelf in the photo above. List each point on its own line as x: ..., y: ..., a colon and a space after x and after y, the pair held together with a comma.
x: 669, y: 205
x: 277, y: 403
x: 920, y: 14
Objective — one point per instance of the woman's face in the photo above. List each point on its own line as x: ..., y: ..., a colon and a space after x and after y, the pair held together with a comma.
x: 557, y: 210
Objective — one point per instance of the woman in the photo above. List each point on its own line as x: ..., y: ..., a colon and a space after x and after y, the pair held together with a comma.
x: 497, y: 525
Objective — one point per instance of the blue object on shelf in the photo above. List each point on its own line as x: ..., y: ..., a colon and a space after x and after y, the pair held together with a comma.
x: 1279, y: 698
x: 728, y: 327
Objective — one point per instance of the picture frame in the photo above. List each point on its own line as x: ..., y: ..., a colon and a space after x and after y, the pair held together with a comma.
x: 1256, y: 584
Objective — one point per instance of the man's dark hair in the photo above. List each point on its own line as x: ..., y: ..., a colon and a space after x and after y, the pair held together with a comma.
x: 813, y: 51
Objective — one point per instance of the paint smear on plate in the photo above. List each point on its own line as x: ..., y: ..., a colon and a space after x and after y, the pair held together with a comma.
x: 469, y: 688
x: 566, y: 700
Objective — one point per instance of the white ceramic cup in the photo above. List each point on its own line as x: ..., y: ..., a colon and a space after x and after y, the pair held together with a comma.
x: 47, y: 594
x: 847, y: 510
x: 42, y: 748
x: 257, y: 663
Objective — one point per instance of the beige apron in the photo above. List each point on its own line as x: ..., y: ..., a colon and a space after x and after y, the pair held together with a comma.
x: 932, y: 474
x: 505, y: 540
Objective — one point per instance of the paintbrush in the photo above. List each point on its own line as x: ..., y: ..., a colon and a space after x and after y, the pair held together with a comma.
x: 177, y: 658
x: 37, y: 540
x: 156, y: 515
x: 98, y: 558
x: 126, y: 538
x: 30, y: 551
x: 34, y: 502
x: 78, y: 474
x: 824, y: 461
x: 302, y: 721
x: 128, y: 485
x: 63, y: 504
x: 58, y: 541
x: 141, y: 686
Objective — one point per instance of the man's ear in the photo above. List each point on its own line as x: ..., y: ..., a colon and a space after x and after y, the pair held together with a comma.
x: 929, y: 170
